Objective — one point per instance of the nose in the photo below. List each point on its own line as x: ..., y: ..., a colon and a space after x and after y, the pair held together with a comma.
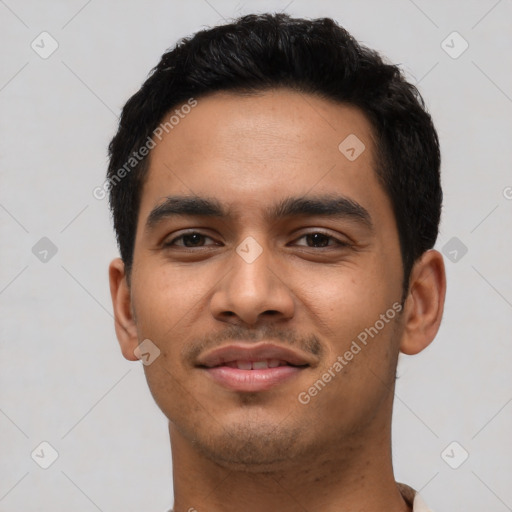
x: 252, y: 291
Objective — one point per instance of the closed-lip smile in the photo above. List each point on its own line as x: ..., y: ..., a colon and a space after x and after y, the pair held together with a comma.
x: 253, y: 367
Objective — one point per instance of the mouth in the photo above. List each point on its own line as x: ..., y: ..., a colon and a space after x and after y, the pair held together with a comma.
x: 256, y: 365
x: 251, y: 368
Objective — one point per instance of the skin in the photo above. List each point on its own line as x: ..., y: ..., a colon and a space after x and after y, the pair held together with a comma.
x: 265, y: 450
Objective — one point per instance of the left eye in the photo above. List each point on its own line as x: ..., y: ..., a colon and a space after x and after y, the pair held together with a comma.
x: 319, y: 239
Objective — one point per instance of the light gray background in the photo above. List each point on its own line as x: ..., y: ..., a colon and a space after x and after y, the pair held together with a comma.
x: 63, y: 379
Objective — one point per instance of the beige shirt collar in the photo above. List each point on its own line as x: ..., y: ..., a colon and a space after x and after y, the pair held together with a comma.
x: 413, y: 499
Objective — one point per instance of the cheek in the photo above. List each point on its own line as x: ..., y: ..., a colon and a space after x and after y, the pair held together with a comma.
x: 344, y: 297
x: 164, y: 298
x: 347, y: 309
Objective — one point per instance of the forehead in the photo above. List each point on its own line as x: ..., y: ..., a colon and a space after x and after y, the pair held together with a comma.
x: 246, y: 150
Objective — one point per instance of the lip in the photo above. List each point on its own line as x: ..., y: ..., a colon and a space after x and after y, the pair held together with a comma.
x: 214, y: 363
x: 253, y: 352
x: 252, y: 380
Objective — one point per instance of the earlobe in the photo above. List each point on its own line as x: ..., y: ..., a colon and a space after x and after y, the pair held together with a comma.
x: 423, y: 309
x: 126, y: 329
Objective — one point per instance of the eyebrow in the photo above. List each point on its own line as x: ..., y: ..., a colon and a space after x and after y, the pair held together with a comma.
x: 338, y: 207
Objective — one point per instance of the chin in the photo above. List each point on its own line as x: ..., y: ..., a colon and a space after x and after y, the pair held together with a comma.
x: 251, y: 447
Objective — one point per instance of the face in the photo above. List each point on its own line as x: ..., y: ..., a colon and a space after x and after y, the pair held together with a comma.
x: 256, y: 231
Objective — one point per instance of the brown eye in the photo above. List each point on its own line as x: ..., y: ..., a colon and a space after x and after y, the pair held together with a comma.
x: 188, y: 240
x: 319, y: 239
x: 193, y: 240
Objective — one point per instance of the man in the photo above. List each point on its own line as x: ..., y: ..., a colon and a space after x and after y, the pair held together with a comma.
x: 276, y: 196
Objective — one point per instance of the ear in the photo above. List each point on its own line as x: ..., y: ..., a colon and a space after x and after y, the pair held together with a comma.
x: 126, y: 328
x: 423, y: 308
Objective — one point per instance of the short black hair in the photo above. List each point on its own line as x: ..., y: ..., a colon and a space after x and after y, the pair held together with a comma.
x: 261, y: 52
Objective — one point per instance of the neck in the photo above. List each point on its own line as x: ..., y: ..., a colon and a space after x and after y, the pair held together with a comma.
x: 354, y: 475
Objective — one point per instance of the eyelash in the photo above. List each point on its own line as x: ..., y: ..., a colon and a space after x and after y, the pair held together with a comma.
x: 338, y: 242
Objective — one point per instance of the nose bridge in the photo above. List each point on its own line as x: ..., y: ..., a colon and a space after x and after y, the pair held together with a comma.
x: 252, y: 288
x: 250, y: 275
